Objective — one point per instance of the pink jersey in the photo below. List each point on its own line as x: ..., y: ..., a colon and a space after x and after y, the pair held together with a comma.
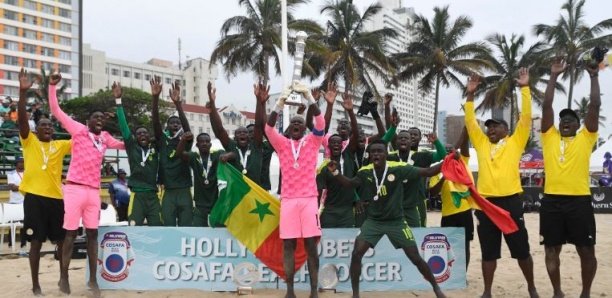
x: 298, y: 182
x: 87, y: 148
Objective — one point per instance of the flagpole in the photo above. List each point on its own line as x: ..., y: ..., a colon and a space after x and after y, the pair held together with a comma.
x: 284, y: 55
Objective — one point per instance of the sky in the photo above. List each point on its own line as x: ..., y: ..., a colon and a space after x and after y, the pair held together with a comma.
x: 138, y: 30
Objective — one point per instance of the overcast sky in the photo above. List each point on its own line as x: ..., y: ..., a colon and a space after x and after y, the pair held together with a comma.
x: 138, y: 30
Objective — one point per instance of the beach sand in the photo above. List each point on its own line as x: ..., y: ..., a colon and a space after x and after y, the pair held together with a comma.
x: 15, y: 273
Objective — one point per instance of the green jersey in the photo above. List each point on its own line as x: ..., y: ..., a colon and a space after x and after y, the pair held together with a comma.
x: 265, y: 166
x: 205, y: 191
x: 144, y: 162
x: 253, y: 157
x: 174, y: 171
x: 385, y: 204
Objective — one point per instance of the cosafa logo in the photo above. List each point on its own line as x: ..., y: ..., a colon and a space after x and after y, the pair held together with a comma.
x: 437, y: 252
x: 115, y: 256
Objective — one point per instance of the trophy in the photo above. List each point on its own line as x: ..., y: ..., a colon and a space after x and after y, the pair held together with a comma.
x: 245, y: 276
x: 295, y: 99
x: 328, y: 278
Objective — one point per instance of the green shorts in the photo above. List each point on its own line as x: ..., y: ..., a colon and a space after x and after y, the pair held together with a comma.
x: 412, y: 217
x: 333, y: 217
x: 397, y: 231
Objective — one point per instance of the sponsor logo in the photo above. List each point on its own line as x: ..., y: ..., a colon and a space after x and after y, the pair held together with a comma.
x: 115, y: 256
x: 437, y: 252
x: 598, y: 197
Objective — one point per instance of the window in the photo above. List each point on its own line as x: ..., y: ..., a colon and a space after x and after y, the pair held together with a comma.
x: 11, y: 45
x: 64, y: 13
x: 114, y: 72
x: 10, y: 60
x: 137, y: 75
x: 65, y: 55
x: 147, y: 77
x: 126, y: 73
x: 11, y: 75
x: 10, y: 30
x: 10, y: 15
x: 12, y: 91
x: 48, y: 37
x: 201, y: 118
x: 168, y: 81
x: 47, y: 65
x: 65, y: 41
x: 28, y: 48
x: 48, y: 52
x: 65, y: 27
x: 47, y: 23
x: 29, y: 34
x: 66, y: 1
x: 28, y: 19
x: 29, y: 63
x: 64, y: 68
x: 29, y: 4
x: 11, y: 2
x: 48, y: 9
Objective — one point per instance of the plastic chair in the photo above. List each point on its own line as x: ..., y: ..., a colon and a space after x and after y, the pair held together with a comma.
x: 108, y: 217
x: 13, y: 218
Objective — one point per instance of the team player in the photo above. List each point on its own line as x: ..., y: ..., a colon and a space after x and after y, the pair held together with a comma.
x: 566, y: 214
x: 43, y: 206
x: 298, y: 160
x: 381, y: 185
x: 82, y: 188
x: 499, y: 182
x: 143, y: 158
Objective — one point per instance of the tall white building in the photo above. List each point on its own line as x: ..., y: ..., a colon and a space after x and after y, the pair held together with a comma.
x: 40, y: 34
x: 414, y: 108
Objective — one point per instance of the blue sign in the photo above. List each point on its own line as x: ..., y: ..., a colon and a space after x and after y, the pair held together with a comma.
x: 161, y: 258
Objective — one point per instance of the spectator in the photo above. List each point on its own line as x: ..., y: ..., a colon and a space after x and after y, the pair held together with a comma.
x: 120, y: 195
x: 6, y: 105
x: 9, y: 127
x: 108, y: 170
x: 15, y: 197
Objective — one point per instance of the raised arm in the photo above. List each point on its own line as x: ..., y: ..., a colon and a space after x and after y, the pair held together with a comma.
x: 523, y: 127
x: 175, y: 96
x: 548, y: 114
x: 463, y: 143
x: 262, y: 93
x: 330, y: 97
x: 156, y: 89
x: 440, y: 150
x: 309, y: 101
x: 387, y: 101
x: 476, y: 134
x: 113, y: 143
x: 591, y: 122
x: 273, y: 135
x: 68, y: 123
x: 354, y: 182
x: 22, y: 115
x: 215, y: 119
x: 180, y: 148
x: 316, y: 94
x: 123, y: 125
x: 347, y: 104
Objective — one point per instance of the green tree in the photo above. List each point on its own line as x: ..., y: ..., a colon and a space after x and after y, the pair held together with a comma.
x: 499, y: 89
x: 42, y: 92
x: 354, y: 54
x: 582, y: 107
x: 435, y: 56
x: 571, y: 37
x: 136, y: 103
x: 248, y: 43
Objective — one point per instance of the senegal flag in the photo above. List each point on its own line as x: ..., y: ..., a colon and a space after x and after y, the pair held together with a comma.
x: 252, y: 216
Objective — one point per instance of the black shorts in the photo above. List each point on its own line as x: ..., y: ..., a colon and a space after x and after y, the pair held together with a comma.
x: 43, y: 218
x: 490, y: 236
x: 567, y: 219
x: 462, y: 220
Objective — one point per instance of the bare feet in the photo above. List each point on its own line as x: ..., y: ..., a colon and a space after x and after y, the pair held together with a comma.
x: 559, y: 295
x: 439, y: 293
x: 486, y: 295
x: 64, y: 286
x: 314, y: 294
x: 93, y: 286
x: 37, y: 291
x: 533, y: 293
x: 290, y: 295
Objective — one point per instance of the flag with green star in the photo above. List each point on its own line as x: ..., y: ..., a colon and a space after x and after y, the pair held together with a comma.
x: 252, y: 216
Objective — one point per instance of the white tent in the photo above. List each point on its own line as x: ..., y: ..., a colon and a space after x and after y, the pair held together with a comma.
x: 597, y: 158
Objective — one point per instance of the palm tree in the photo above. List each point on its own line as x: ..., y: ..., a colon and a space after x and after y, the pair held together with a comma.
x: 354, y: 54
x: 582, y: 108
x: 42, y: 92
x: 248, y: 43
x: 499, y: 89
x: 571, y: 37
x: 435, y: 56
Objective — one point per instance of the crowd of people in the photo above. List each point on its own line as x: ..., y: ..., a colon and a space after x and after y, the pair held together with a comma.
x: 377, y: 183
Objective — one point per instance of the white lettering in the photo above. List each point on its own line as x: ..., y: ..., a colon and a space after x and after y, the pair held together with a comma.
x: 188, y: 246
x: 204, y: 247
x: 200, y: 272
x: 186, y: 273
x: 156, y: 266
x: 394, y: 272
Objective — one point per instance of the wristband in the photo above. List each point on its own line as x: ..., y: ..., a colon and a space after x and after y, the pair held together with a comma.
x: 118, y: 101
